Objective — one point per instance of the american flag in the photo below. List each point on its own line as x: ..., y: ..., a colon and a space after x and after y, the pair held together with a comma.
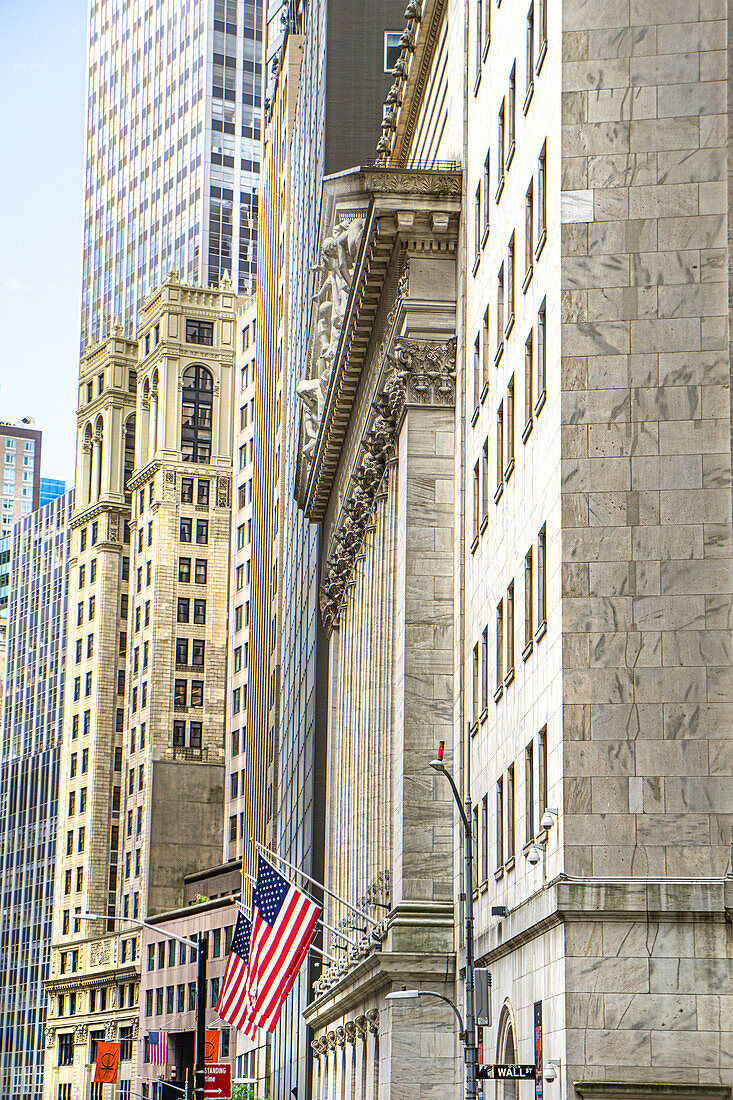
x: 283, y: 926
x: 158, y: 1048
x: 233, y: 1005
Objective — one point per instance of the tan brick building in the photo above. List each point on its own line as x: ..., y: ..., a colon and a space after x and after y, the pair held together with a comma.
x: 141, y: 792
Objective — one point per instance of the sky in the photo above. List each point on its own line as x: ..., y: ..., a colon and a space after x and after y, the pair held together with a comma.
x: 42, y: 97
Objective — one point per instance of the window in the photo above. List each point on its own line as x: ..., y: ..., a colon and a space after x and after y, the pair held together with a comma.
x: 510, y: 812
x: 233, y: 827
x: 485, y: 357
x: 512, y: 112
x: 169, y: 998
x: 542, y: 773
x: 185, y: 529
x: 202, y: 492
x: 510, y: 285
x: 183, y: 611
x: 202, y: 531
x: 180, y: 690
x: 216, y: 946
x: 184, y: 570
x: 159, y: 1000
x: 197, y: 693
x: 510, y: 427
x: 542, y: 578
x: 66, y: 1048
x: 476, y: 376
x: 500, y: 152
x: 528, y: 234
x: 198, y: 651
x: 484, y: 849
x: 181, y: 998
x: 181, y: 651
x: 191, y: 996
x: 196, y: 413
x: 199, y: 332
x: 484, y: 669
x: 199, y: 612
x: 542, y: 199
x: 200, y: 574
x: 500, y: 312
x: 477, y: 227
x: 510, y: 631
x: 499, y: 645
x: 179, y: 735
x: 499, y: 448
x: 485, y: 483
x: 187, y: 490
x: 528, y: 628
x: 476, y: 501
x: 475, y: 680
x: 196, y: 734
x: 542, y: 27
x: 499, y: 824
x: 487, y: 197
x: 530, y: 56
x: 215, y: 982
x: 151, y: 956
x: 149, y: 1002
x: 238, y: 659
x: 479, y: 37
x: 392, y: 49
x: 528, y: 367
x: 541, y: 358
x: 529, y: 794
x: 125, y: 1041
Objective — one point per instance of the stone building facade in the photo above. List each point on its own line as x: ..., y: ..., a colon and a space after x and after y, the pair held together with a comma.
x: 538, y: 571
x: 142, y: 762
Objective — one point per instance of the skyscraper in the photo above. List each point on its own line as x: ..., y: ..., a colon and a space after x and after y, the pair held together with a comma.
x: 172, y: 152
x: 51, y: 488
x: 20, y: 458
x: 32, y: 721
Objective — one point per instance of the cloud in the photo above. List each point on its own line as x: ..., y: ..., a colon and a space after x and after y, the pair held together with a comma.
x: 14, y: 286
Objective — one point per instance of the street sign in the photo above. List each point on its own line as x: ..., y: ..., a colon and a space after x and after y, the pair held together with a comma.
x: 501, y: 1072
x: 218, y: 1081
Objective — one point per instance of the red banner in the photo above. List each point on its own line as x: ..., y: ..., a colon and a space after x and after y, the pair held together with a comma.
x: 211, y: 1046
x: 108, y: 1062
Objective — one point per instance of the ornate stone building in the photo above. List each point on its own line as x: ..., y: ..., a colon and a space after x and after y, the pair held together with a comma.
x: 530, y: 557
x: 141, y: 788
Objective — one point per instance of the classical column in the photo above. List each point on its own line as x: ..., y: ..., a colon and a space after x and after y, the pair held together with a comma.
x: 153, y: 439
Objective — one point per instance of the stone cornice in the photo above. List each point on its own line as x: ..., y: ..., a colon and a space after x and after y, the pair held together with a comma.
x: 97, y: 509
x: 72, y: 982
x: 419, y: 372
x: 418, y: 208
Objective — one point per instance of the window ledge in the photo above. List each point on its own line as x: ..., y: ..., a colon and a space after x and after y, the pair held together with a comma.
x: 541, y: 57
x: 476, y: 262
x: 484, y: 886
x: 473, y: 729
x: 509, y: 678
x: 540, y: 244
x: 527, y: 650
x: 509, y: 865
x: 484, y: 524
x: 474, y: 545
x: 484, y: 392
x: 499, y: 353
x: 498, y: 693
x: 497, y: 494
x: 487, y: 43
x: 483, y: 715
x: 527, y: 430
x: 541, y: 630
x: 509, y: 470
x: 477, y: 81
x: 474, y: 415
x: 499, y: 187
x: 509, y: 325
x: 485, y: 236
x: 527, y: 278
x: 540, y: 402
x: 499, y: 873
x: 510, y: 153
x: 528, y: 98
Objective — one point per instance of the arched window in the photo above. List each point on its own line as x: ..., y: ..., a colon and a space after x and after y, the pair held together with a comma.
x: 506, y: 1055
x: 129, y: 452
x: 196, y: 411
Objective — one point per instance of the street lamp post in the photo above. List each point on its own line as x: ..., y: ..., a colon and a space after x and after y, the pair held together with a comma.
x: 201, y: 947
x: 469, y: 1033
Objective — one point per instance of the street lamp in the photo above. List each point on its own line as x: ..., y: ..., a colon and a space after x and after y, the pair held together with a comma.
x: 410, y: 994
x: 469, y: 1033
x: 201, y: 947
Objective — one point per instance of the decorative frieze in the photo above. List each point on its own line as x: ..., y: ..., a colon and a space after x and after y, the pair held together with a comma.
x: 419, y: 372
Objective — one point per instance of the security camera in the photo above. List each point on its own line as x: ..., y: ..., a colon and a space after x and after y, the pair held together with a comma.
x: 548, y: 819
x: 551, y: 1071
x: 534, y: 855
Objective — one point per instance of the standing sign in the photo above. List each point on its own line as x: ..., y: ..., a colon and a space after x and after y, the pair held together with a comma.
x: 218, y: 1081
x: 538, y: 1049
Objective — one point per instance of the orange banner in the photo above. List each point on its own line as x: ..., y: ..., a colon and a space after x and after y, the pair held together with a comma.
x: 211, y: 1046
x: 107, y: 1064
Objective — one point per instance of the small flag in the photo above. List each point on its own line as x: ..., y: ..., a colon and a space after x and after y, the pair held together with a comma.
x: 232, y: 1004
x: 441, y: 750
x: 158, y: 1048
x: 107, y: 1063
x: 283, y: 927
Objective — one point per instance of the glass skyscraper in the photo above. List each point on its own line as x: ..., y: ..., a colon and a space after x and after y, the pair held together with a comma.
x: 29, y: 760
x: 172, y: 151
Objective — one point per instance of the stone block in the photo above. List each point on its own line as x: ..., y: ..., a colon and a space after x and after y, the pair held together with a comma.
x: 678, y: 1048
x: 622, y: 102
x: 659, y: 134
x: 704, y: 231
x: 599, y: 758
x: 665, y: 334
x: 680, y: 100
x: 652, y: 685
x: 632, y: 1010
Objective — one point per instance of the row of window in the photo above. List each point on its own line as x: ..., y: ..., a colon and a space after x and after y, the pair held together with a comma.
x: 201, y: 485
x: 196, y: 647
x: 165, y: 951
x: 535, y: 795
x: 535, y: 589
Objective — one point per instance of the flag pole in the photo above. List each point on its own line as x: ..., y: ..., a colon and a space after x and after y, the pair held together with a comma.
x: 297, y: 870
x: 320, y: 920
